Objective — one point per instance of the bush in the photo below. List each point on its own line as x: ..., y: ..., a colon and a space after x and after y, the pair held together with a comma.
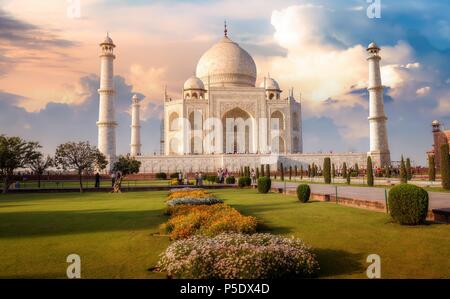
x: 230, y: 180
x: 239, y: 256
x: 161, y: 176
x: 369, y: 172
x: 212, y: 178
x: 174, y: 175
x: 244, y: 181
x: 327, y: 170
x: 408, y: 204
x: 445, y: 166
x: 303, y: 192
x: 264, y: 184
x: 209, y: 220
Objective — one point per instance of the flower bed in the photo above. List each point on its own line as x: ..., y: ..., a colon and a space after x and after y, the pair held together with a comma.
x: 209, y: 220
x: 189, y: 193
x: 194, y: 201
x: 239, y: 256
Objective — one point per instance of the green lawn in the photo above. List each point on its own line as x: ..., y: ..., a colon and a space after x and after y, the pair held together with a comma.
x: 113, y: 234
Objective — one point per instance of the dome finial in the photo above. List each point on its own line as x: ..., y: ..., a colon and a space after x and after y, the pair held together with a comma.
x: 225, y: 31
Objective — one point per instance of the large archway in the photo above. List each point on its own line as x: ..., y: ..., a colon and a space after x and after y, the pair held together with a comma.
x: 237, y: 131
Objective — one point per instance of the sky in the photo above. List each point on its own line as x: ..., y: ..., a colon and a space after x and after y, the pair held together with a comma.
x: 49, y: 64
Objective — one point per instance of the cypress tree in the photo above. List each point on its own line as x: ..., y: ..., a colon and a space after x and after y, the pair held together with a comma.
x: 301, y: 172
x: 403, y: 174
x: 348, y: 176
x: 327, y: 170
x: 445, y: 167
x: 257, y: 172
x: 369, y: 172
x: 262, y: 170
x: 333, y: 170
x: 309, y: 170
x: 431, y: 168
x: 282, y: 171
x: 241, y: 172
x: 268, y: 170
x: 344, y: 170
x: 295, y: 171
x: 357, y: 169
x: 290, y: 172
x: 408, y: 169
x: 387, y: 171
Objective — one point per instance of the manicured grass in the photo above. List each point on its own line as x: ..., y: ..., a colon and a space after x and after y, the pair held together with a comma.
x: 343, y: 237
x: 112, y: 233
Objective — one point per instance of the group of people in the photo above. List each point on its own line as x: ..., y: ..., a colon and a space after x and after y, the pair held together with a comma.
x: 222, y: 174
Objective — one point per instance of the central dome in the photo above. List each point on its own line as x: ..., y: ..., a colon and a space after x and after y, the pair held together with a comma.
x: 226, y: 64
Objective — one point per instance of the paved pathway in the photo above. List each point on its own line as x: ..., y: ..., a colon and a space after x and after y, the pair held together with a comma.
x: 437, y: 199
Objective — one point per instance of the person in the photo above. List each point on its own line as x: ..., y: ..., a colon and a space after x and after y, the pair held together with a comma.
x: 196, y: 179
x: 253, y: 175
x: 113, y: 179
x: 180, y: 178
x: 200, y: 179
x: 97, y: 180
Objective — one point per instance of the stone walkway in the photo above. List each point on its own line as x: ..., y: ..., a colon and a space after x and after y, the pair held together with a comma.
x: 438, y: 200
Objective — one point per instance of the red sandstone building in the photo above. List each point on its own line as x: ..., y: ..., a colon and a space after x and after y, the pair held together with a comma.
x: 439, y: 138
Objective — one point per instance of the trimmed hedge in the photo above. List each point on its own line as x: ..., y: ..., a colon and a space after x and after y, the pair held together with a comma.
x: 244, y: 181
x: 303, y: 192
x: 161, y: 176
x: 264, y: 184
x: 408, y: 204
x: 231, y: 180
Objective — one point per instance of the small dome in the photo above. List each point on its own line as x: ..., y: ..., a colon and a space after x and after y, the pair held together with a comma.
x: 435, y: 123
x: 194, y: 83
x: 271, y: 84
x: 107, y: 41
x: 373, y: 45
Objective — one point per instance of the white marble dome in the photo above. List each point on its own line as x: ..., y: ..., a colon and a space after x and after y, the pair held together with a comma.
x: 270, y: 84
x: 227, y: 64
x: 193, y: 83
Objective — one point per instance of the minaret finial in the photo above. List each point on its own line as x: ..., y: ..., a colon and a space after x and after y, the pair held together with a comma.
x: 225, y: 31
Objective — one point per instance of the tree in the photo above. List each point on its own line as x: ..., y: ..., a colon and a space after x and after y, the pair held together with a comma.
x: 445, y: 166
x: 348, y: 176
x: 15, y: 153
x: 309, y: 170
x: 290, y: 173
x: 344, y: 170
x: 431, y: 168
x: 327, y: 170
x: 125, y: 165
x: 262, y: 170
x: 403, y: 175
x: 408, y: 169
x: 301, y: 172
x: 357, y: 169
x: 295, y: 171
x: 333, y: 170
x: 257, y: 172
x: 39, y: 165
x: 387, y: 171
x: 80, y: 157
x: 268, y: 170
x: 369, y: 172
x: 282, y: 171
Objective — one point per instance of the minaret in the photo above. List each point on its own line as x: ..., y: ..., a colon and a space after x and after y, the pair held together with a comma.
x: 107, y: 114
x: 135, y: 146
x: 379, y: 147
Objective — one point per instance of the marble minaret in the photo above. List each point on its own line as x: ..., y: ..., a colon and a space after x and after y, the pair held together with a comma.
x: 379, y: 147
x: 107, y: 115
x: 135, y: 146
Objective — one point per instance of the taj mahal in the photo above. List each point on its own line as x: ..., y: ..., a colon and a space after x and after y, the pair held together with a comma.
x: 223, y: 118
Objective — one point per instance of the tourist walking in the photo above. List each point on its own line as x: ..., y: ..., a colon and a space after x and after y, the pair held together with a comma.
x: 97, y: 180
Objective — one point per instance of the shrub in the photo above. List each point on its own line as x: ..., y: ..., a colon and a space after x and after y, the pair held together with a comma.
x: 408, y: 204
x: 174, y: 182
x: 230, y: 180
x: 161, y: 176
x: 244, y: 181
x: 303, y: 192
x: 239, y: 256
x: 174, y: 175
x: 445, y: 166
x: 209, y: 220
x: 327, y: 170
x: 212, y: 178
x: 264, y: 184
x: 431, y: 168
x: 369, y: 172
x: 403, y: 174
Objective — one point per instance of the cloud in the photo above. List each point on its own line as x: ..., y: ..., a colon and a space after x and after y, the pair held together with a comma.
x: 423, y: 90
